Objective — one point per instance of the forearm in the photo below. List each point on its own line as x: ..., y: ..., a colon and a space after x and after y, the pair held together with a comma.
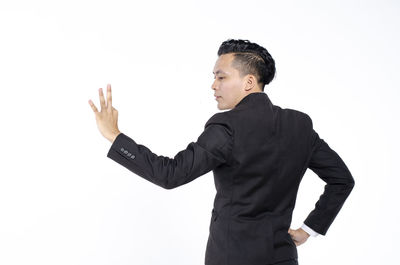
x: 160, y: 170
x: 167, y: 172
x: 328, y: 165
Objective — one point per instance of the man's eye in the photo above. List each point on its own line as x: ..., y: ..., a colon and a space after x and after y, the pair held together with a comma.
x: 220, y: 77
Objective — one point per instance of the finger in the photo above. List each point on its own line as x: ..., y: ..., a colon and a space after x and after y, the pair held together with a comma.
x: 109, y: 98
x: 93, y: 106
x: 102, y: 101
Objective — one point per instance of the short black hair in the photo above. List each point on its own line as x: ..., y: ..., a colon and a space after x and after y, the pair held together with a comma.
x: 250, y: 58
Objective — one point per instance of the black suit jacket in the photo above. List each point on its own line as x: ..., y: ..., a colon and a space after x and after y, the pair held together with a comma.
x: 258, y: 153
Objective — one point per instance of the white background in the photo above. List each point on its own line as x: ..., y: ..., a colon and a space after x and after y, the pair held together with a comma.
x: 62, y: 201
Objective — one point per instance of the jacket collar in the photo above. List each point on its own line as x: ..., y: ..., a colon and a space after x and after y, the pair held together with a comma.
x: 253, y: 99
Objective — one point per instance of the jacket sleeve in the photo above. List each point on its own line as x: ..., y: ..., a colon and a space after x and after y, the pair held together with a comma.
x: 327, y: 164
x: 212, y: 148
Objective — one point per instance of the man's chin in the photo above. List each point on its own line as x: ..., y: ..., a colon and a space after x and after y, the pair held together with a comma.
x: 221, y: 107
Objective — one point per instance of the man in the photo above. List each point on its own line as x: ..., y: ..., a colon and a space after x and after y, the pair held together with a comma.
x: 258, y: 153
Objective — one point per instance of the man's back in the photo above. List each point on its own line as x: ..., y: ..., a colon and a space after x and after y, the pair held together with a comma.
x: 257, y: 187
x: 270, y: 153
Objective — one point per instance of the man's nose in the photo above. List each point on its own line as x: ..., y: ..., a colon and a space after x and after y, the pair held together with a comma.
x: 213, y: 85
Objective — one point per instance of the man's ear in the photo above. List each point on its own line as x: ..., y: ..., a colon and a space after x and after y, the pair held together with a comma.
x: 250, y: 82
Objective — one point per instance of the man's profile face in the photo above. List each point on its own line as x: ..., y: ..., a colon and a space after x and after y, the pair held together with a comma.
x: 228, y: 84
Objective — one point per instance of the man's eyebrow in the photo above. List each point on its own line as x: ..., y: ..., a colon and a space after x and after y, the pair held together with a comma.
x: 219, y: 71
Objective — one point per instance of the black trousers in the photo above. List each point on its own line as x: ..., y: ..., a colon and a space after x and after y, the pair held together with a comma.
x: 288, y: 262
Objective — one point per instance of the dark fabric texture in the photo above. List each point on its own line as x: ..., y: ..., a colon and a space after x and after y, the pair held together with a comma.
x: 258, y: 153
x: 287, y: 262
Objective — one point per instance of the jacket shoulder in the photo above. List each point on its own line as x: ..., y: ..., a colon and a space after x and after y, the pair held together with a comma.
x: 300, y: 115
x: 306, y: 118
x: 217, y: 137
x: 220, y: 118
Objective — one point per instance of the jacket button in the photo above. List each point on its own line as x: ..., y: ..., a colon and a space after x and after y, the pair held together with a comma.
x: 133, y: 156
x: 125, y: 152
x: 122, y: 149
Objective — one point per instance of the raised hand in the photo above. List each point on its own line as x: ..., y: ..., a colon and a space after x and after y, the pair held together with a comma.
x: 107, y: 118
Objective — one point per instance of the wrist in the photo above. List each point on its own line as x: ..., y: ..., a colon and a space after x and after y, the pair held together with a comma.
x: 304, y: 231
x: 114, y: 136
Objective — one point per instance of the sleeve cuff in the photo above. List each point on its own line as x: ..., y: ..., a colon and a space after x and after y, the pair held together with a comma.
x: 124, y: 146
x: 309, y: 230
